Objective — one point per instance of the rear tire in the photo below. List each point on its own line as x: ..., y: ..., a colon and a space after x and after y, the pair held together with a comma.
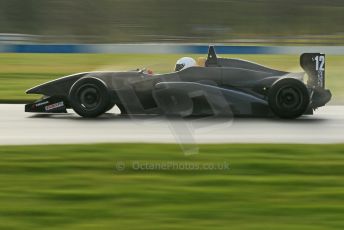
x: 288, y: 98
x: 89, y: 97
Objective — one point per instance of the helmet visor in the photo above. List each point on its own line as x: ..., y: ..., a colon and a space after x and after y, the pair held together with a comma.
x: 179, y: 67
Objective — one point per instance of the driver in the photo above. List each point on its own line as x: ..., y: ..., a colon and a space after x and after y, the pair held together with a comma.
x: 185, y: 62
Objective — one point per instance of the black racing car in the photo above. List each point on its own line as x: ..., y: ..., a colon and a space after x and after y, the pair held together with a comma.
x: 222, y: 86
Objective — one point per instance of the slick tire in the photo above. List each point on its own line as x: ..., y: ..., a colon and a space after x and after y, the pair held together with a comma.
x: 90, y: 97
x: 288, y: 98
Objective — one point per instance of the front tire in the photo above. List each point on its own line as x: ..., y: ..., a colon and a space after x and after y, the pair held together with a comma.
x: 89, y: 97
x: 288, y: 98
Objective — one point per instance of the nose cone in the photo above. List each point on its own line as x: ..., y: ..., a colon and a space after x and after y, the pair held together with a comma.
x: 58, y: 87
x: 34, y: 90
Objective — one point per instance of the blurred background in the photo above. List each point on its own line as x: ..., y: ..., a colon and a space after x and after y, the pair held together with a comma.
x: 30, y: 30
x: 223, y: 21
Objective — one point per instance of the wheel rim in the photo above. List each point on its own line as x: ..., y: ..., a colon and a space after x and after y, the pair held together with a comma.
x: 88, y: 96
x: 289, y: 98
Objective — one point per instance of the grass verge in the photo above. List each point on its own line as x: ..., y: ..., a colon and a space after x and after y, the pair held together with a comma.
x: 81, y: 187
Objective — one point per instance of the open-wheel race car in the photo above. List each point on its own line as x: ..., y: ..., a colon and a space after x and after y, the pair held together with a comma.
x: 214, y: 86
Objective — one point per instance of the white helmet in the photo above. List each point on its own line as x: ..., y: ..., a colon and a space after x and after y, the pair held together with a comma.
x: 185, y: 62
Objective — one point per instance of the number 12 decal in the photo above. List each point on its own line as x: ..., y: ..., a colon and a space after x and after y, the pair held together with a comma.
x: 319, y: 63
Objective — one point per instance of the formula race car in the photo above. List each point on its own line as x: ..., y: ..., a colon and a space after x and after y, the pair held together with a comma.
x: 213, y: 86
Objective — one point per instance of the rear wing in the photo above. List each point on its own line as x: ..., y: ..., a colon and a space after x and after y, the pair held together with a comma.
x: 314, y: 65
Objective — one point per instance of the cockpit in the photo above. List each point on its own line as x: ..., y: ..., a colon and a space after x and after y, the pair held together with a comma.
x: 186, y: 62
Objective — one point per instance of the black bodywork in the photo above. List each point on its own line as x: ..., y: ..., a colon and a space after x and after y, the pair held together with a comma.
x: 228, y: 86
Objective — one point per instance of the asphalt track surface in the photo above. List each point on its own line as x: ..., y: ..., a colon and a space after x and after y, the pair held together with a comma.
x: 18, y: 128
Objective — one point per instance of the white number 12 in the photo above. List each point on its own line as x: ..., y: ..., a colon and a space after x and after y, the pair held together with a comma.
x: 319, y: 63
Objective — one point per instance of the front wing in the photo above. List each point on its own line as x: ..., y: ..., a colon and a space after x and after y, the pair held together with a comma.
x: 47, y: 105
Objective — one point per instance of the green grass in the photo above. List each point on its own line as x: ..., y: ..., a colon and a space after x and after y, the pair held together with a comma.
x: 19, y: 72
x: 77, y: 187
